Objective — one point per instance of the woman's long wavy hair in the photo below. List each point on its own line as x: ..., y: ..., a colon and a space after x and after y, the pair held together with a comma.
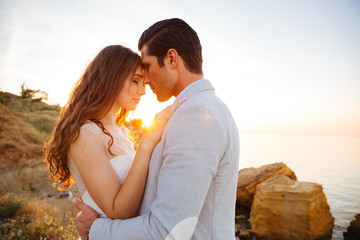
x: 91, y: 99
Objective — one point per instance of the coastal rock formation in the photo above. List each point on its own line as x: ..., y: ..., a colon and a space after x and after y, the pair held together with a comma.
x: 286, y: 209
x: 353, y: 231
x: 249, y: 178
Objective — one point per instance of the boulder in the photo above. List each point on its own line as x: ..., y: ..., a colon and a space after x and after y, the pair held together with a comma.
x: 249, y: 178
x: 353, y: 231
x: 287, y: 209
x: 245, y: 235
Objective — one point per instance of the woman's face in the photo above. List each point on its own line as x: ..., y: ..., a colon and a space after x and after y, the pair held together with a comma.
x: 132, y: 91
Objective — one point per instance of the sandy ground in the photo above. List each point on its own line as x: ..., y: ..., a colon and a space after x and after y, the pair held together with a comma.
x: 31, y: 180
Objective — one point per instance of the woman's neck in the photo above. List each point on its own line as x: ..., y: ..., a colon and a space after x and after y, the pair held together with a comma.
x: 109, y: 121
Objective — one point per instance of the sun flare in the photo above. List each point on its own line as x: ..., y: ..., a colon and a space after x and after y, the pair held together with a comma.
x: 148, y: 107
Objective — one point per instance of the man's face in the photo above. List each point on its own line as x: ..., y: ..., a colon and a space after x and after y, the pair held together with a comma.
x: 158, y: 78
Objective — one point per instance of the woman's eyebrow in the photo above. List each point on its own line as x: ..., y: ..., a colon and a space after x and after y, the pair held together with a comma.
x: 138, y: 75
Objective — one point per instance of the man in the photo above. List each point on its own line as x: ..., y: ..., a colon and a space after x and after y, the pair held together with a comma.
x: 191, y: 185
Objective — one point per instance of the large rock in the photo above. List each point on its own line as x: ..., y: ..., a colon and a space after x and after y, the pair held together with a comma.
x: 286, y: 209
x: 249, y: 178
x: 353, y: 231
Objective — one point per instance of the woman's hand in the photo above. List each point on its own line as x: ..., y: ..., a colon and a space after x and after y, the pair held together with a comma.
x: 154, y: 133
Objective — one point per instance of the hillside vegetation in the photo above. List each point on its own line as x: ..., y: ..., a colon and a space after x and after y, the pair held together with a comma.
x: 24, y: 126
x: 26, y: 212
x: 25, y: 123
x: 30, y: 207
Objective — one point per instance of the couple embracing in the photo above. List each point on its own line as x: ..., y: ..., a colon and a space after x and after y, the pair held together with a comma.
x: 181, y: 181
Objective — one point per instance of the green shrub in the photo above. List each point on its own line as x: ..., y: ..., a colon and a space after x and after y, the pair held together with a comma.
x: 9, y: 207
x: 4, y: 100
x: 33, y: 95
x: 51, y: 108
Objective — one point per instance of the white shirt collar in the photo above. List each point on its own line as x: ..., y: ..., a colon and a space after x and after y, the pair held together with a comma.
x: 181, y: 95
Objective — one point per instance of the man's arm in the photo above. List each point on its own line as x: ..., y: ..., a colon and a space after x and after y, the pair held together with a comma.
x: 194, y: 143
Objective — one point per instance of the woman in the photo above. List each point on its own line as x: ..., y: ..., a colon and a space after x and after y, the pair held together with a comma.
x: 90, y: 144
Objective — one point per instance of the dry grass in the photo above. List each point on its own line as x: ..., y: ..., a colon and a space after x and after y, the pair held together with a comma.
x: 24, y: 126
x: 32, y: 219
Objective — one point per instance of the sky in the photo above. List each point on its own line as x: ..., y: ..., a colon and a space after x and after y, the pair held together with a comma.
x: 281, y: 66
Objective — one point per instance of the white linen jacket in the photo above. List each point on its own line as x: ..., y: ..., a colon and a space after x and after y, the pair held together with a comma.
x: 192, y: 180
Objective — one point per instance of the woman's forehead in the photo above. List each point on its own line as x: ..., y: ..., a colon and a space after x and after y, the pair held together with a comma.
x: 139, y: 71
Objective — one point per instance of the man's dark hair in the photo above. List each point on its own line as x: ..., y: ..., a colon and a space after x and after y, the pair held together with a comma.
x: 177, y: 34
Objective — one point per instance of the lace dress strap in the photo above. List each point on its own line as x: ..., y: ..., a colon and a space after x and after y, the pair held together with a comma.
x: 92, y: 127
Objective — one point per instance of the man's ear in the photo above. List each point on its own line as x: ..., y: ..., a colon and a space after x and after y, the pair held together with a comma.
x: 172, y: 58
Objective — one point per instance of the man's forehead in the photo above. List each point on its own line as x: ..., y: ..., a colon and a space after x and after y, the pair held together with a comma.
x: 144, y: 51
x: 145, y: 57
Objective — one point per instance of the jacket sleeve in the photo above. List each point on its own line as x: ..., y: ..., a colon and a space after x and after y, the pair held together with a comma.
x: 193, y: 144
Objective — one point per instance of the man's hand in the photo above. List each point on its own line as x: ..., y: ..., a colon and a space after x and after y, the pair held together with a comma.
x: 84, y: 218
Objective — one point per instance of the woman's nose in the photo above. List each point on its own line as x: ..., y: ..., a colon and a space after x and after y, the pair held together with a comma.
x: 141, y: 89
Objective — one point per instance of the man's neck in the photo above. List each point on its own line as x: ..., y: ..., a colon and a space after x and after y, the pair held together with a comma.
x: 185, y: 80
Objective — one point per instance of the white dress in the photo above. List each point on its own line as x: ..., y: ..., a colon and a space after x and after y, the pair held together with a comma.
x: 121, y: 161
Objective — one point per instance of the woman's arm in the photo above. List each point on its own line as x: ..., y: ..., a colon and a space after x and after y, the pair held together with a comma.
x: 116, y: 200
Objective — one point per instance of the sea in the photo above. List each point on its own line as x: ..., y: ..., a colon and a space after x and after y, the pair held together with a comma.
x: 332, y: 161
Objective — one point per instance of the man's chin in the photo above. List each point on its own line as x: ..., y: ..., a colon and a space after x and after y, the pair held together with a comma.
x: 162, y: 98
